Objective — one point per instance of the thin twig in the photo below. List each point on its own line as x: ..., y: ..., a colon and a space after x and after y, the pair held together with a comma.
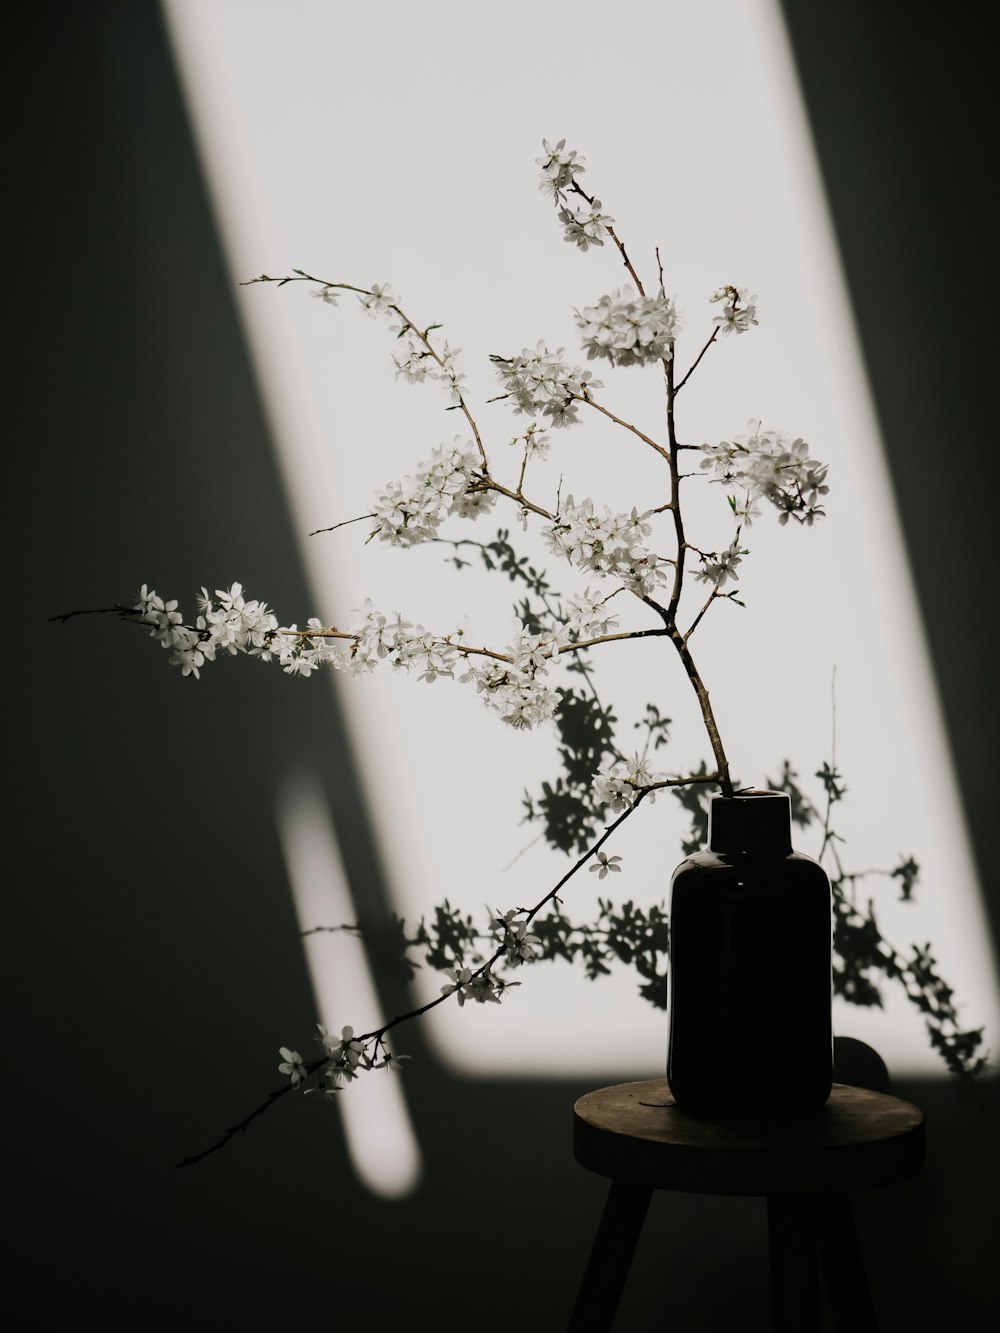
x: 408, y: 327
x: 346, y: 522
x: 678, y: 387
x: 664, y: 453
x: 577, y: 189
x: 124, y: 611
x: 378, y: 1034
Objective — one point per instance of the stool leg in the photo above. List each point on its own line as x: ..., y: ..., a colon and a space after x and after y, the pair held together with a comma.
x: 843, y: 1266
x: 610, y: 1258
x: 794, y: 1265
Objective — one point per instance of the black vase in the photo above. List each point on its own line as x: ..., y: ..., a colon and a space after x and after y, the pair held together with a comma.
x: 750, y: 996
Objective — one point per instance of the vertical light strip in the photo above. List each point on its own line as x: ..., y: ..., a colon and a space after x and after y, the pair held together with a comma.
x: 380, y: 1138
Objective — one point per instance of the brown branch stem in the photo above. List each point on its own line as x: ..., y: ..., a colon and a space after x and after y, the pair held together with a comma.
x: 125, y: 611
x: 517, y: 496
x: 694, y: 367
x: 627, y: 425
x: 345, y: 523
x: 577, y: 189
x: 678, y: 639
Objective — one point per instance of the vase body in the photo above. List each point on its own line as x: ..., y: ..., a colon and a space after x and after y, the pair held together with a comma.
x: 750, y: 991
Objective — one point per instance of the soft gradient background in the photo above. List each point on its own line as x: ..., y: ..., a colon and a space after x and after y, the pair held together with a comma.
x: 155, y: 958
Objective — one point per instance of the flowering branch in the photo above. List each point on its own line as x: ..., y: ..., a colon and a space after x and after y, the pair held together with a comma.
x: 616, y: 550
x: 559, y: 172
x: 379, y: 298
x: 343, y: 1057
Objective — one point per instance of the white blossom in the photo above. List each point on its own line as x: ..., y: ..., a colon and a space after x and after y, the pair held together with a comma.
x: 298, y: 652
x: 480, y: 987
x: 585, y: 227
x: 531, y: 653
x: 519, y: 944
x: 587, y: 614
x: 718, y: 570
x: 162, y: 616
x: 517, y: 689
x: 292, y: 1064
x: 617, y: 783
x: 188, y: 653
x: 739, y: 309
x: 233, y: 625
x: 560, y: 166
x: 430, y: 657
x: 407, y: 647
x: 608, y: 544
x: 411, y: 510
x: 518, y: 697
x: 627, y: 329
x: 299, y: 664
x: 393, y: 1064
x: 540, y: 381
x: 484, y: 988
x: 536, y: 442
x: 512, y: 683
x: 605, y: 864
x: 345, y: 1052
x: 372, y: 629
x: 448, y: 372
x: 378, y: 300
x: 416, y: 364
x: 770, y: 465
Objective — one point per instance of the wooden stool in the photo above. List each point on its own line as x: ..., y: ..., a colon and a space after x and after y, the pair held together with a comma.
x: 806, y: 1169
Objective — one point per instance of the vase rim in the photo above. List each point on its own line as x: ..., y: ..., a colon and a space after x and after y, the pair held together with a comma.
x: 754, y: 819
x: 749, y: 793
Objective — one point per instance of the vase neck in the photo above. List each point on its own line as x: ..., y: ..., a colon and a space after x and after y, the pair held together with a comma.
x: 751, y: 821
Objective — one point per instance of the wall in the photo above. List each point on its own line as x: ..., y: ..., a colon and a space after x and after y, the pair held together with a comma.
x: 152, y: 959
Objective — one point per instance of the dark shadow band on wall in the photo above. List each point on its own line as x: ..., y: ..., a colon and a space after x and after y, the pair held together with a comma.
x: 902, y: 112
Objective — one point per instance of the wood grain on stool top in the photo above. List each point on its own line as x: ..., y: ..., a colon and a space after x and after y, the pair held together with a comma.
x: 859, y: 1140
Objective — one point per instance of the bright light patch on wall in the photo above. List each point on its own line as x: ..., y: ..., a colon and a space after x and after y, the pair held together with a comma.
x: 380, y: 1138
x: 396, y: 144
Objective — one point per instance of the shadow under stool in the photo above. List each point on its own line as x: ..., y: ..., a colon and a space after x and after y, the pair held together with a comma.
x: 634, y: 1135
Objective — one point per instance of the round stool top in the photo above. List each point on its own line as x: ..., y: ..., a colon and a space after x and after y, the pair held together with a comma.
x: 859, y: 1140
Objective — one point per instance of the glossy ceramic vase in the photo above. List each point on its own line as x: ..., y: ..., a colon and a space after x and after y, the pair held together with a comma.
x: 750, y: 989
